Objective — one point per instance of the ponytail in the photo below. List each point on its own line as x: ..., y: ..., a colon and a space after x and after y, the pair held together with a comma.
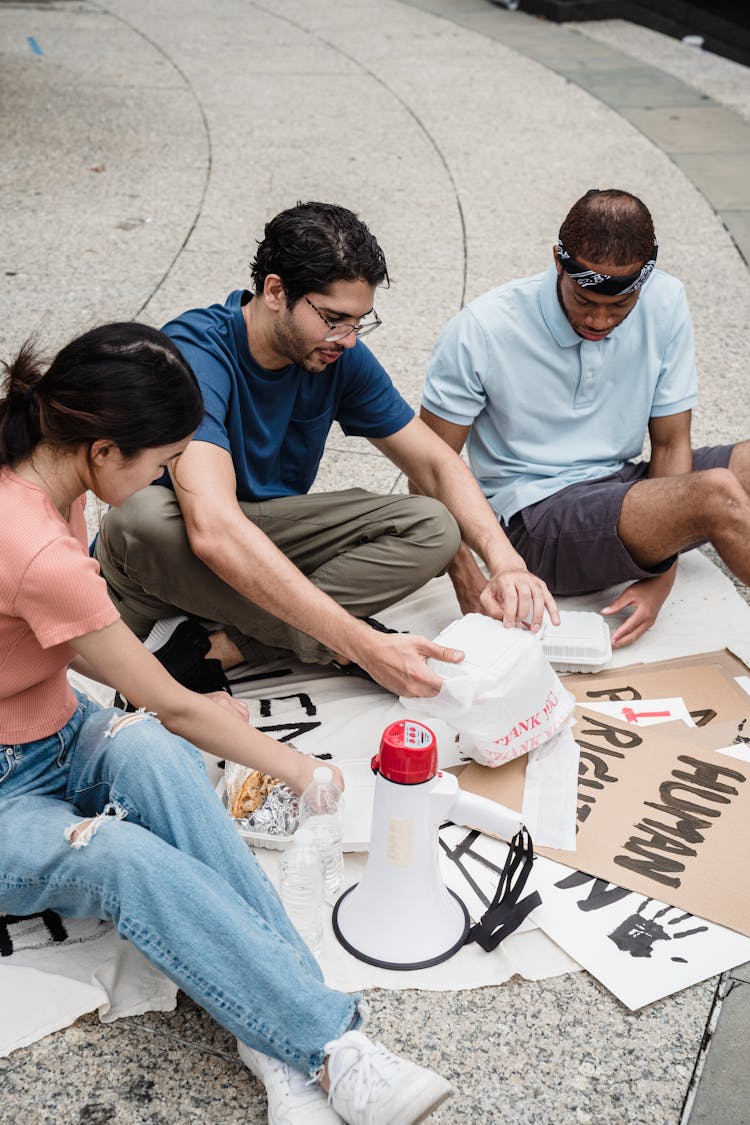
x: 19, y: 411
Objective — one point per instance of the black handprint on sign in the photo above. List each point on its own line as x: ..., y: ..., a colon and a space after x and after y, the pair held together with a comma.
x: 638, y: 933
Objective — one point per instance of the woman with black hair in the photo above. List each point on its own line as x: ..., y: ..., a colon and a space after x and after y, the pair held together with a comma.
x: 112, y: 815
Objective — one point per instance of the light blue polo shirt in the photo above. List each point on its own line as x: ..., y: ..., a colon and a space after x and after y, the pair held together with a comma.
x: 546, y: 407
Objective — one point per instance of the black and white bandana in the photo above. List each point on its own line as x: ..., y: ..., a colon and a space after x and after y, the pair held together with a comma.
x: 604, y: 283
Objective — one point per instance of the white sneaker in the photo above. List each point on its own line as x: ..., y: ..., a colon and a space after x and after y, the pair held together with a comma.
x: 292, y: 1098
x: 162, y: 632
x: 369, y: 1085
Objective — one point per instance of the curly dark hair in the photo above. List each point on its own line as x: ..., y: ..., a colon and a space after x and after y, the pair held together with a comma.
x: 608, y: 226
x: 312, y: 245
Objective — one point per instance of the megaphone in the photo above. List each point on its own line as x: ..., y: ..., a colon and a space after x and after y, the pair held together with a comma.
x: 401, y: 915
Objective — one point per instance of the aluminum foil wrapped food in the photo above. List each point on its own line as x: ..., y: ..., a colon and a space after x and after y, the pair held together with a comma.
x: 259, y: 802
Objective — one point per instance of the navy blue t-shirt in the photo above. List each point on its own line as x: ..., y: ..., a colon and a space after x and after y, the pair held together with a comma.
x: 275, y: 423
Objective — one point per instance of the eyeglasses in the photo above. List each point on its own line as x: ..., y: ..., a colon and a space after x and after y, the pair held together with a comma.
x: 338, y: 331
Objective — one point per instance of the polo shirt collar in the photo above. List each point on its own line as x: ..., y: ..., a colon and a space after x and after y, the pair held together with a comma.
x: 554, y: 317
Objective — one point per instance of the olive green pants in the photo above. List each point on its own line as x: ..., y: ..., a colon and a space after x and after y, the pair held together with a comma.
x: 365, y: 551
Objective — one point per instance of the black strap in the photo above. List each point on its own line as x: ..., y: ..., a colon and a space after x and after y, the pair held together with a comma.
x: 505, y: 913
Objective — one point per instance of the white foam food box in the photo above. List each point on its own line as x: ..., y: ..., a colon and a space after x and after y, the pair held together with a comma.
x: 580, y: 643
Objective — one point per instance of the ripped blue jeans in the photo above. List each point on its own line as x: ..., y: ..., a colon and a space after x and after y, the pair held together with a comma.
x: 159, y: 856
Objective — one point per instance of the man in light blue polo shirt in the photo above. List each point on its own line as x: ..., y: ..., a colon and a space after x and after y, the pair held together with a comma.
x: 554, y: 381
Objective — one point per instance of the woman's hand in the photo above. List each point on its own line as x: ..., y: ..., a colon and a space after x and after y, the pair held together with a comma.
x: 302, y: 767
x: 229, y: 703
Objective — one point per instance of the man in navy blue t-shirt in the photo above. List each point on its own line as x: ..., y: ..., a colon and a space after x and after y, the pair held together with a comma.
x: 232, y: 536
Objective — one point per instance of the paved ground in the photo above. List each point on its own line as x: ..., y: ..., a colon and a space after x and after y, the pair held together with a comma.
x: 145, y: 143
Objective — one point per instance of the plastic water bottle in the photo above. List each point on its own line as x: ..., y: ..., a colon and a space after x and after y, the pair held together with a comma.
x: 302, y: 887
x: 321, y: 810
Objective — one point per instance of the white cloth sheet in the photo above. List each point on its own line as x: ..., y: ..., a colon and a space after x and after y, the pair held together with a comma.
x: 46, y: 985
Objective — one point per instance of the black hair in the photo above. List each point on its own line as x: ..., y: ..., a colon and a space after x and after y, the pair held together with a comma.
x: 609, y: 226
x: 125, y: 383
x: 312, y: 245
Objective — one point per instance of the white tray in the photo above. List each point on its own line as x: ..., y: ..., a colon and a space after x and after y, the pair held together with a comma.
x: 580, y: 643
x: 252, y: 838
x: 358, y: 797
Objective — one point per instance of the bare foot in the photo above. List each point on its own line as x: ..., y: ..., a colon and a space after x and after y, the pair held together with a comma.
x: 224, y: 650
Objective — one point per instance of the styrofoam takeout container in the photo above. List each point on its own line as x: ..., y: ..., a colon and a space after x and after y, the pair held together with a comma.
x: 580, y: 643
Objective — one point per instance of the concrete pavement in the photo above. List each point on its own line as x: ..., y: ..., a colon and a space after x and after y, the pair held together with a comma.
x: 144, y: 144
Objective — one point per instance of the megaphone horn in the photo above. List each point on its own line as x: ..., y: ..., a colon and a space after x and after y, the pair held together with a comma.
x: 401, y: 915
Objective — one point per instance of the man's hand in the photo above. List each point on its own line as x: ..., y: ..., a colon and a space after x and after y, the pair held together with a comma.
x: 513, y: 596
x: 426, y: 450
x: 646, y: 597
x: 398, y: 662
x: 516, y: 597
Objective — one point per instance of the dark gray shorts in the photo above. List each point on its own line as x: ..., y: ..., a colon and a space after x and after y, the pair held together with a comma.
x: 570, y: 539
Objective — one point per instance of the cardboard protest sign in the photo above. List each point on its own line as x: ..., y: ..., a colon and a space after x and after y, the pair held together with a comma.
x: 707, y: 683
x: 660, y: 810
x: 666, y: 817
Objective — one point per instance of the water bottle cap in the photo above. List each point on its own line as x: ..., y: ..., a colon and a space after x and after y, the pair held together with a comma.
x: 323, y: 774
x: 408, y: 753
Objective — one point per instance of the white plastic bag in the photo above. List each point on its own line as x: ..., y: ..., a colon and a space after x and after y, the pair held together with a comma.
x: 504, y: 698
